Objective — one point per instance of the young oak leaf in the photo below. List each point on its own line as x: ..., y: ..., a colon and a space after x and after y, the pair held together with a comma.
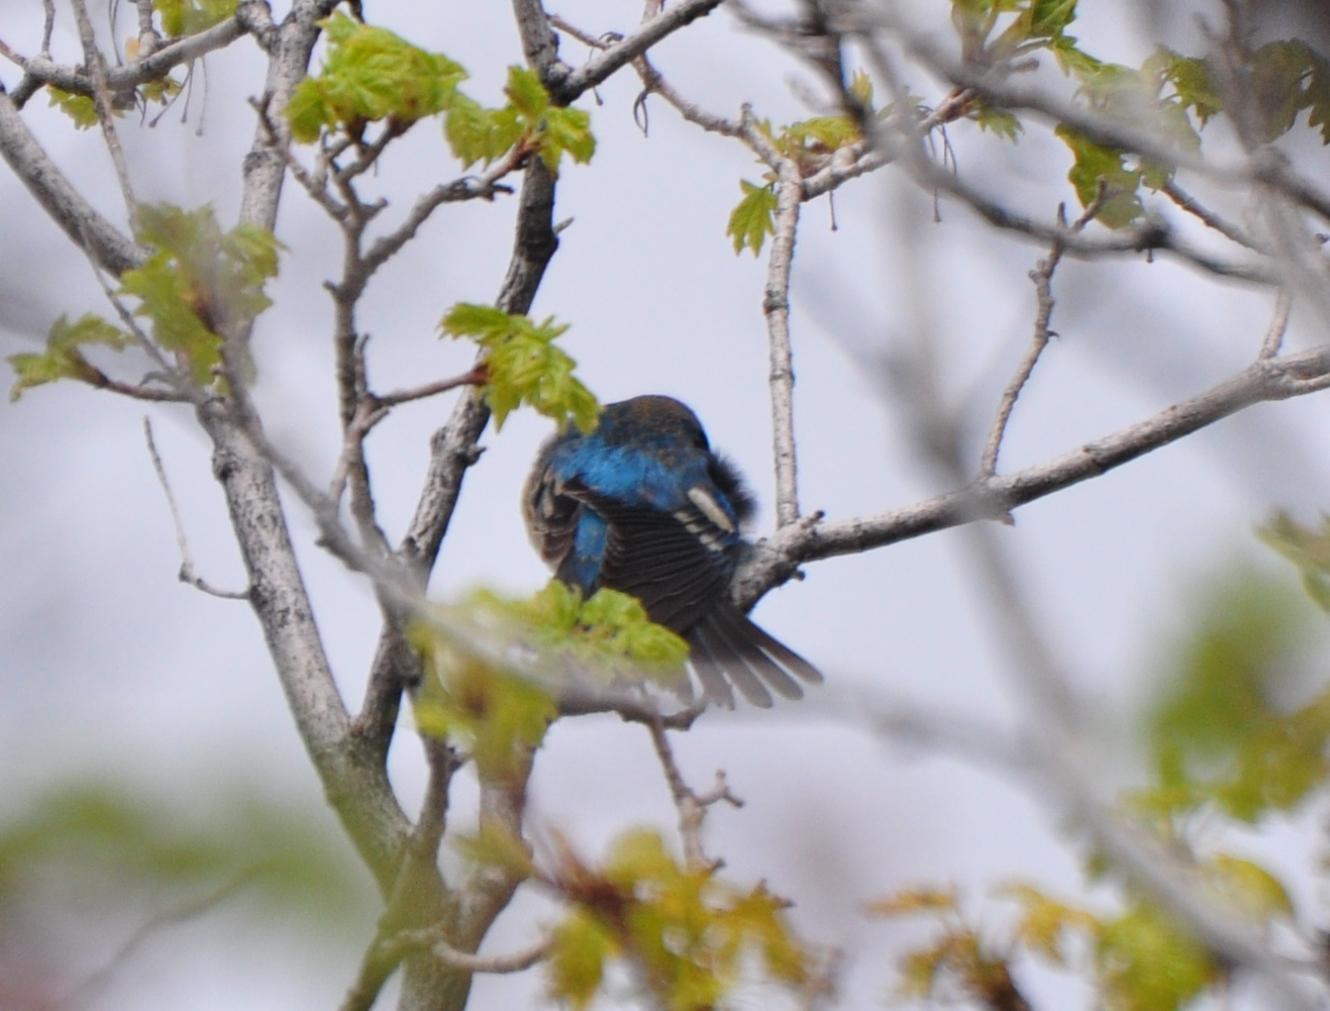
x: 371, y: 74
x: 753, y: 219
x: 63, y: 357
x: 523, y: 365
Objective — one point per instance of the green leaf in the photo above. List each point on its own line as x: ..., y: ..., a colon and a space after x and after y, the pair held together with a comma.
x: 566, y: 131
x: 1318, y: 97
x: 689, y: 933
x: 80, y: 108
x: 1220, y: 730
x: 63, y: 358
x: 1045, y: 922
x: 754, y: 218
x: 579, y: 949
x: 1278, y: 77
x: 1146, y: 962
x: 819, y: 136
x: 186, y: 17
x: 996, y: 121
x: 477, y: 134
x: 498, y: 717
x: 1095, y: 163
x: 610, y: 632
x: 524, y: 365
x: 200, y: 282
x: 371, y: 74
x: 526, y: 94
x: 1307, y: 549
x: 861, y: 87
x: 1191, y: 80
x: 1249, y: 887
x: 1051, y: 17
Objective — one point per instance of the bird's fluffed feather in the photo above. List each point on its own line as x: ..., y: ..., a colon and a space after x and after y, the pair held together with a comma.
x: 642, y: 505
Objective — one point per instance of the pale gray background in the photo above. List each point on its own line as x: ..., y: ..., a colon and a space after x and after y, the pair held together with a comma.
x: 109, y: 666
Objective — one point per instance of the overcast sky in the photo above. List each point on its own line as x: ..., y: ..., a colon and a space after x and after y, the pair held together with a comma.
x: 110, y: 667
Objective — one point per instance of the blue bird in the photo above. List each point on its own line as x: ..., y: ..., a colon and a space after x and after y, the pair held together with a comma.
x: 642, y: 505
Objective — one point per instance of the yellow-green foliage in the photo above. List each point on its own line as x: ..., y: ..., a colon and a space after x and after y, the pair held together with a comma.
x: 370, y: 74
x: 185, y: 17
x: 63, y: 357
x: 524, y: 365
x: 373, y: 75
x: 200, y: 282
x: 497, y: 717
x: 1221, y: 730
x: 686, y: 934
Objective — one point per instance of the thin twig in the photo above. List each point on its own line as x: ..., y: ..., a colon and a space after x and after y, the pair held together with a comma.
x: 472, y: 377
x: 187, y: 573
x: 1194, y: 207
x: 597, y: 69
x: 692, y: 807
x: 152, y: 927
x: 1042, y: 276
x: 48, y: 27
x: 102, y: 99
x: 1274, y: 334
x: 776, y: 307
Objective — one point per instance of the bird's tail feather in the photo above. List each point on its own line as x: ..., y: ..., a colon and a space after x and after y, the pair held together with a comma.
x: 729, y: 650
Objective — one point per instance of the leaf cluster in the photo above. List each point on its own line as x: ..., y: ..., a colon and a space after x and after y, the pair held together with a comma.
x: 498, y: 717
x: 607, y: 627
x: 373, y: 75
x: 1177, y: 94
x: 686, y: 935
x: 1140, y: 958
x: 370, y: 74
x: 185, y: 17
x: 1221, y: 730
x: 524, y: 365
x: 198, y: 284
x: 63, y: 357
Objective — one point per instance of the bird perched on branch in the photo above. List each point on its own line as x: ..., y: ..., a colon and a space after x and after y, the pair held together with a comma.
x: 642, y: 505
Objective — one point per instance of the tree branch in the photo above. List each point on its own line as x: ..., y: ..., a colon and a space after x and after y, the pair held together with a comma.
x: 1042, y: 276
x: 187, y: 573
x: 109, y: 248
x: 776, y: 307
x: 634, y: 44
x: 692, y: 807
x: 775, y: 560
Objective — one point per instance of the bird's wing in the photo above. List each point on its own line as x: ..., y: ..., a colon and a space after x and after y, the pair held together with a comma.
x: 679, y: 564
x: 551, y: 516
x: 661, y: 560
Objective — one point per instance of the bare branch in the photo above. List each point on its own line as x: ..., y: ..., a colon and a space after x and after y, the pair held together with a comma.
x: 776, y: 307
x: 101, y: 96
x: 539, y: 43
x: 483, y: 187
x: 1208, y: 217
x: 692, y: 807
x: 111, y: 250
x: 1042, y: 276
x: 187, y: 573
x: 473, y: 377
x: 1274, y: 334
x: 252, y: 16
x: 775, y: 559
x: 634, y: 44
